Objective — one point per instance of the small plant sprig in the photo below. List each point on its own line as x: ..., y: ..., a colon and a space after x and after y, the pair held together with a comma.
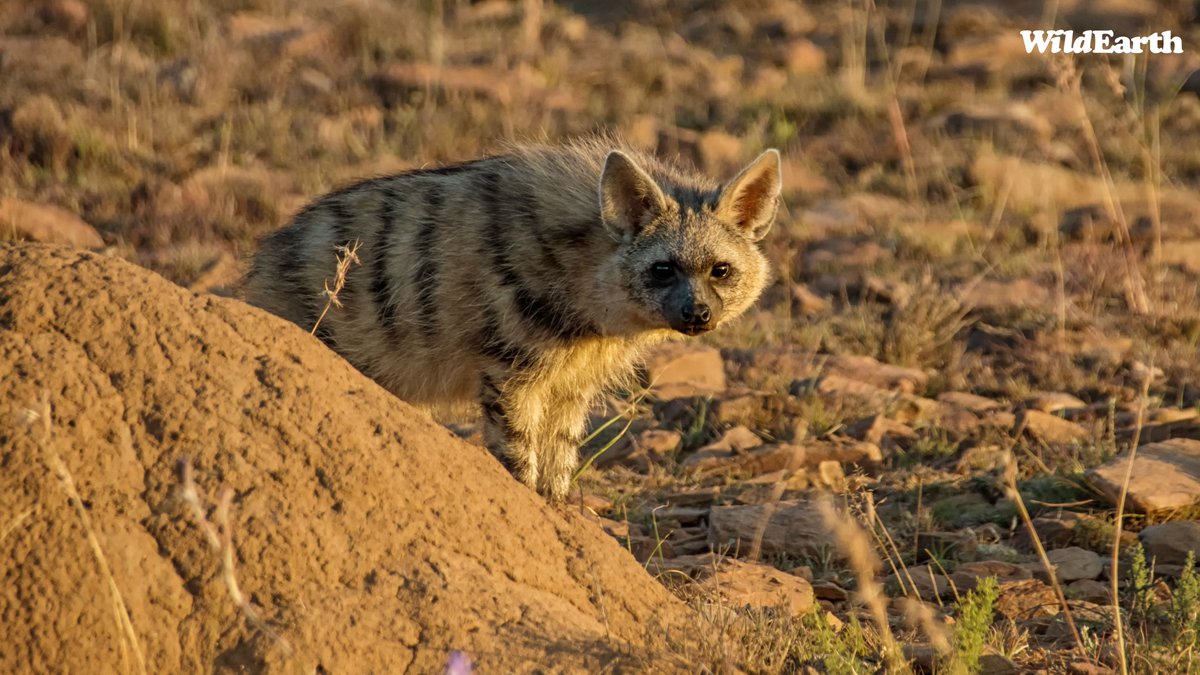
x: 974, y: 622
x: 1184, y: 611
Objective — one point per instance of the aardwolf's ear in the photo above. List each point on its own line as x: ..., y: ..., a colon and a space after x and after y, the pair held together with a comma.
x: 750, y: 200
x: 628, y: 195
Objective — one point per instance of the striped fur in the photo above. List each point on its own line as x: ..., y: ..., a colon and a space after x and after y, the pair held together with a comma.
x: 527, y: 281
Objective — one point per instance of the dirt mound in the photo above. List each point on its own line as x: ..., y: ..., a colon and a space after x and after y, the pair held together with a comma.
x: 367, y: 538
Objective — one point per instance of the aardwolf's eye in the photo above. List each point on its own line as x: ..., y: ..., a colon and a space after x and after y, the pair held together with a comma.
x: 662, y: 271
x: 721, y: 270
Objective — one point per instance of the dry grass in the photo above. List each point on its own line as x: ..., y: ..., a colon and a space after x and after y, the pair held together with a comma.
x: 346, y: 256
x: 132, y: 658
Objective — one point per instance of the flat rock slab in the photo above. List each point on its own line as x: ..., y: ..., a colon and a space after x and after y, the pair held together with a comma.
x: 1165, y: 476
x: 794, y: 527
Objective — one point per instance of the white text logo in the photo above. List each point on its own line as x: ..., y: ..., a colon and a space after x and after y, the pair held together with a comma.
x: 1099, y: 42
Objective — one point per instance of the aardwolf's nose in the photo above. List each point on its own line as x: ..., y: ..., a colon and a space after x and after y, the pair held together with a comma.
x: 697, y: 314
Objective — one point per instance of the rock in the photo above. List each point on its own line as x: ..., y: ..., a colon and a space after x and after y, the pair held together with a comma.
x: 767, y: 459
x: 1008, y: 121
x: 976, y: 404
x: 597, y: 504
x: 744, y: 584
x: 808, y: 303
x: 967, y: 575
x: 838, y: 387
x: 841, y: 253
x: 734, y: 442
x: 40, y: 133
x: 691, y: 564
x: 791, y: 527
x: 997, y: 664
x: 1027, y: 599
x: 770, y: 487
x: 46, y: 224
x: 678, y: 369
x: 1074, y: 563
x: 70, y: 16
x: 649, y: 447
x: 803, y: 57
x: 996, y: 294
x: 1089, y: 590
x: 1185, y: 254
x: 773, y: 364
x: 296, y: 37
x: 1049, y: 428
x: 853, y: 213
x: 882, y: 431
x: 1034, y: 187
x: 830, y: 474
x: 827, y: 590
x: 757, y: 410
x: 861, y: 453
x: 1170, y: 543
x: 873, y: 372
x: 1054, y: 401
x: 1166, y: 476
x: 978, y: 458
x: 929, y: 581
x: 1088, y: 668
x: 619, y: 528
x: 941, y: 238
x: 1061, y: 529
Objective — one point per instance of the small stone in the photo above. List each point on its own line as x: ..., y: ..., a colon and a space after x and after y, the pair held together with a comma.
x: 831, y: 475
x: 981, y: 458
x: 929, y: 581
x: 1055, y: 401
x: 1089, y: 590
x: 767, y: 459
x: 67, y: 15
x: 1170, y: 543
x: 1074, y: 563
x: 993, y: 294
x: 1050, y: 429
x: 976, y: 404
x: 1021, y: 600
x: 827, y: 590
x: 967, y: 575
x: 808, y: 303
x: 804, y: 57
x: 997, y: 664
x: 879, y: 430
x: 597, y: 504
x: 744, y: 584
